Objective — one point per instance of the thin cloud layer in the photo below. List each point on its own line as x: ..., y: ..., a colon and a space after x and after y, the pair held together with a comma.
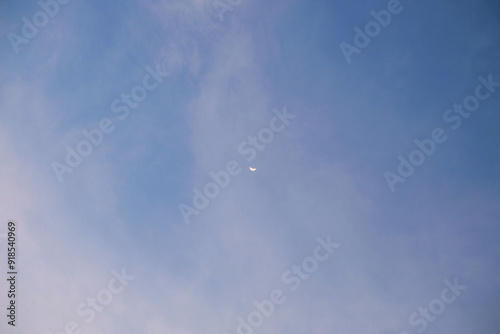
x: 320, y: 177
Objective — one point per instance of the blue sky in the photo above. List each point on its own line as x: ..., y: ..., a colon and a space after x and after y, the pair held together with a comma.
x: 322, y: 175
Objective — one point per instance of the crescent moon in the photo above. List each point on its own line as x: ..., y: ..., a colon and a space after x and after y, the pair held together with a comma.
x: 252, y: 169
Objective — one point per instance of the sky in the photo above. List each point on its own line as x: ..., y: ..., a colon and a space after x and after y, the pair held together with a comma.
x: 127, y: 133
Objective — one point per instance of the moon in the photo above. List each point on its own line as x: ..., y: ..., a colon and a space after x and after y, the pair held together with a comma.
x: 252, y: 169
